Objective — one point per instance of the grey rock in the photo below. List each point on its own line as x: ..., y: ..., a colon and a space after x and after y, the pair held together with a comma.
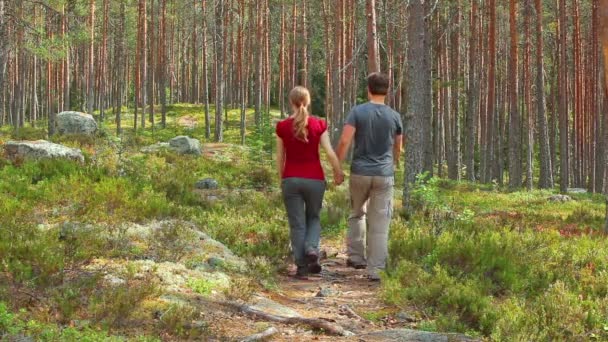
x: 560, y: 198
x: 113, y: 280
x: 405, y: 317
x: 76, y: 123
x: 408, y: 335
x: 40, y: 149
x: 271, y: 307
x: 179, y: 145
x: 16, y: 338
x: 185, y: 145
x: 155, y: 148
x: 82, y: 323
x: 577, y: 191
x: 215, y: 262
x: 198, y: 244
x: 70, y: 231
x: 207, y: 184
x: 326, y: 292
x: 212, y: 199
x: 174, y: 299
x: 174, y: 277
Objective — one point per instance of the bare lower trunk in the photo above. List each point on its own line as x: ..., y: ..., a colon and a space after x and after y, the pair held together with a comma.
x: 419, y: 100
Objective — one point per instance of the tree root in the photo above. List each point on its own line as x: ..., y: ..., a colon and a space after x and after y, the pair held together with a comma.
x: 315, y: 323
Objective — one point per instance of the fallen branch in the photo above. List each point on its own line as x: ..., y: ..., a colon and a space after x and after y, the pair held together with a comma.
x: 351, y: 313
x: 260, y: 336
x: 329, y: 327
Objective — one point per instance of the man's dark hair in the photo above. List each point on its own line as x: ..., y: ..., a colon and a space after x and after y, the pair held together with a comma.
x: 377, y: 83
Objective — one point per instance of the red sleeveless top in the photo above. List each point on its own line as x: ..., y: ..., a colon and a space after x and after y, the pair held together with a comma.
x: 302, y: 158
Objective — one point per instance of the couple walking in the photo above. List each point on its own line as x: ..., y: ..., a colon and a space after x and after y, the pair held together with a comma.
x: 377, y: 133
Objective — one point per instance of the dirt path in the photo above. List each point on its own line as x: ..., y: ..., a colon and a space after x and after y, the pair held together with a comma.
x: 340, y: 294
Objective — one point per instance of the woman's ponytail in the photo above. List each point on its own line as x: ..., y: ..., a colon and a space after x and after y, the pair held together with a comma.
x: 300, y: 98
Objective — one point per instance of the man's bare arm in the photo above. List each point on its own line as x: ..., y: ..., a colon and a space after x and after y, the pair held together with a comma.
x: 345, y: 140
x: 397, y: 148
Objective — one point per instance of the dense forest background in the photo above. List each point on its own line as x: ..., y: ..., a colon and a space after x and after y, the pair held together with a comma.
x: 505, y: 92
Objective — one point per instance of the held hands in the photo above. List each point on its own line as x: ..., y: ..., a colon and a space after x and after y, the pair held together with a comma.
x: 338, y: 177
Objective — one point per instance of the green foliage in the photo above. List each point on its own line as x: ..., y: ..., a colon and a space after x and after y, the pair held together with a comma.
x: 16, y: 325
x: 202, y: 286
x: 170, y: 243
x: 113, y: 305
x: 262, y: 140
x: 182, y: 320
x: 513, y: 267
x: 425, y: 194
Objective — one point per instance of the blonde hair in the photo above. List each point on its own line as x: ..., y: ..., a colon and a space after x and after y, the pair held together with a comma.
x: 300, y: 99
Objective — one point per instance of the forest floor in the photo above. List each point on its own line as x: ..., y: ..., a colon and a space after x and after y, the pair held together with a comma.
x: 341, y: 295
x: 127, y: 248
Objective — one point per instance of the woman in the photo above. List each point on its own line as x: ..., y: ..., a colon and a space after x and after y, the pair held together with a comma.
x: 303, y: 181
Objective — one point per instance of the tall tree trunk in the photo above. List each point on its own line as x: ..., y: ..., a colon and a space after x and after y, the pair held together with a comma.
x: 563, y: 100
x: 546, y: 170
x: 373, y: 55
x: 194, y: 96
x: 4, y: 40
x: 515, y: 174
x: 305, y: 73
x: 419, y: 100
x: 144, y: 63
x: 205, y: 73
x: 473, y: 97
x: 162, y: 60
x: 455, y: 158
x: 90, y: 83
x: 243, y: 78
x: 120, y: 53
x: 103, y: 62
x: 259, y: 65
x: 219, y: 54
x: 603, y: 37
x: 528, y: 97
x: 577, y: 132
x: 598, y: 97
x: 491, y: 97
x: 66, y: 63
x: 151, y: 64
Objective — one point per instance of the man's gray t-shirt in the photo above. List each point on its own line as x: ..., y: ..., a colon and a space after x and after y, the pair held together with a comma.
x: 376, y: 127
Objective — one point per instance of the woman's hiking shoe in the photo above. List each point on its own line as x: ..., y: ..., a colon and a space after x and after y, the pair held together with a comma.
x: 301, y: 273
x: 312, y: 258
x: 356, y: 265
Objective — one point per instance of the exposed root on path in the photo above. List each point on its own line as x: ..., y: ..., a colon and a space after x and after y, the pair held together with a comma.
x: 314, y: 323
x: 263, y: 335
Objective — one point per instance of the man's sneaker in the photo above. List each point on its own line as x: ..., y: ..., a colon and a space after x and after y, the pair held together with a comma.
x: 373, y: 277
x: 356, y: 265
x: 312, y: 258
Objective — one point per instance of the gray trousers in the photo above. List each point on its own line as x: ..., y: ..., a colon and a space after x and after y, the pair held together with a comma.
x: 303, y: 201
x: 371, y: 201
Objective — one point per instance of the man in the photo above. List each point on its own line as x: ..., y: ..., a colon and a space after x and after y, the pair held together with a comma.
x: 377, y: 131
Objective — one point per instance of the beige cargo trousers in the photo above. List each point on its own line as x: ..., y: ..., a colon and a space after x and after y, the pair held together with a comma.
x: 371, y: 200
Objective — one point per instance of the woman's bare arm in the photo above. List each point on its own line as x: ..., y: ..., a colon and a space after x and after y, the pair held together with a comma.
x: 333, y: 158
x: 280, y: 157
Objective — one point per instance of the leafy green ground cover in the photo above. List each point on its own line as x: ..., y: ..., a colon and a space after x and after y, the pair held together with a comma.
x: 473, y: 259
x: 507, y: 266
